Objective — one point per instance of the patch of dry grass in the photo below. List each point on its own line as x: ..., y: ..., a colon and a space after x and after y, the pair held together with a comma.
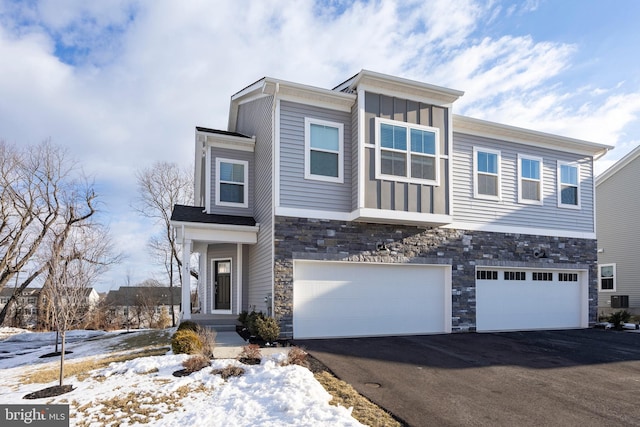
x: 345, y: 395
x: 81, y: 369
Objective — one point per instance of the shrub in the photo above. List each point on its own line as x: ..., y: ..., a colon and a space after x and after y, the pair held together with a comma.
x: 242, y: 318
x: 208, y: 338
x: 195, y: 363
x: 267, y: 329
x: 251, y: 321
x: 619, y: 318
x: 186, y: 341
x: 297, y: 356
x: 250, y: 354
x: 229, y: 371
x: 189, y: 325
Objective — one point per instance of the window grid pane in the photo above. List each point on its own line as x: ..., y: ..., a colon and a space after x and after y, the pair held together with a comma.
x: 423, y: 167
x: 325, y: 138
x: 231, y: 172
x: 530, y: 190
x: 530, y: 169
x: 487, y: 162
x: 322, y: 163
x: 232, y: 193
x: 392, y: 163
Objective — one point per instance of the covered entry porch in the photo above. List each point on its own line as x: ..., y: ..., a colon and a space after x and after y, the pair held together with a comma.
x: 222, y: 244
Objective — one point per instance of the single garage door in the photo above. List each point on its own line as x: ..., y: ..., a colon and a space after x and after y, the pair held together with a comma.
x: 350, y: 299
x: 522, y: 299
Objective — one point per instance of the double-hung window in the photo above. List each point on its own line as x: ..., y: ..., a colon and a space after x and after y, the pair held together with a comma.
x: 607, y: 276
x: 232, y: 178
x: 568, y: 185
x: 529, y: 180
x: 486, y: 170
x: 324, y: 150
x: 407, y: 152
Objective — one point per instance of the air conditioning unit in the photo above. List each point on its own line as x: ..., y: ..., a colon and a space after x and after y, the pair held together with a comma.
x: 619, y: 301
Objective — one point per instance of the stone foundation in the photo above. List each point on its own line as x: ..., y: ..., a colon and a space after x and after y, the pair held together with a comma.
x: 312, y: 239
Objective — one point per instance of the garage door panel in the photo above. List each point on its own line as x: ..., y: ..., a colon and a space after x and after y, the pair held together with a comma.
x: 503, y: 305
x: 333, y: 299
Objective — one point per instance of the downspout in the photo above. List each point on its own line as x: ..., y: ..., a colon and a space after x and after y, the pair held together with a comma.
x: 275, y: 193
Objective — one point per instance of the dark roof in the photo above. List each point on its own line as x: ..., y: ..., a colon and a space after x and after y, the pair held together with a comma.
x: 184, y: 213
x: 221, y: 132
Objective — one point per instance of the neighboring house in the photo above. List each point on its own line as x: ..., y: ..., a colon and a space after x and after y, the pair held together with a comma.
x: 371, y: 209
x: 142, y: 306
x: 30, y: 309
x: 24, y: 313
x: 618, y: 236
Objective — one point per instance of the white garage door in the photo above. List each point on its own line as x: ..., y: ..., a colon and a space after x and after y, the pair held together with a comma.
x: 348, y: 299
x: 531, y: 299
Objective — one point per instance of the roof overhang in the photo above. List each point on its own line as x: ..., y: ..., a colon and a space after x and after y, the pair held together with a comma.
x: 477, y: 127
x: 216, y: 233
x: 620, y: 164
x: 400, y: 87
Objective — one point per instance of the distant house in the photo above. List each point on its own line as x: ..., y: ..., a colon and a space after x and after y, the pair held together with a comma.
x: 618, y: 235
x: 30, y: 309
x: 142, y: 306
x: 372, y: 209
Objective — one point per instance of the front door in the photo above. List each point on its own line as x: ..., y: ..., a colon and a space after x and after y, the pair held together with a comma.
x: 222, y: 300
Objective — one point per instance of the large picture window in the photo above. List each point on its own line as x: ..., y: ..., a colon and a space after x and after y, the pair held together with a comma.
x: 486, y: 165
x: 568, y: 185
x: 407, y: 152
x: 231, y: 182
x: 529, y: 180
x: 324, y: 150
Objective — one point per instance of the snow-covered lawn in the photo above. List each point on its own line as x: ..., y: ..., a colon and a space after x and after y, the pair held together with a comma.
x: 144, y: 391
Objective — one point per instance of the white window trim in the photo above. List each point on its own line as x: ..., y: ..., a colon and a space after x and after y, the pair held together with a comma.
x: 408, y: 178
x: 559, y: 189
x: 615, y: 275
x: 476, y: 195
x: 308, y: 121
x: 246, y: 183
x: 540, y: 180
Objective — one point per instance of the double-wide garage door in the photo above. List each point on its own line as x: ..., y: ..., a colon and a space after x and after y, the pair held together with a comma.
x: 349, y: 299
x: 526, y: 299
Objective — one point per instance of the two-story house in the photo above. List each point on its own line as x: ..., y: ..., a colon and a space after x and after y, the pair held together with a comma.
x: 618, y: 235
x: 371, y: 209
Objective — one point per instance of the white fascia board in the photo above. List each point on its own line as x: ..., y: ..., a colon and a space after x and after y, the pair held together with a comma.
x: 317, y: 97
x: 231, y: 142
x: 200, y: 152
x: 620, y: 164
x: 386, y: 216
x: 313, y: 213
x: 405, y: 88
x: 493, y: 228
x: 483, y: 128
x: 216, y: 233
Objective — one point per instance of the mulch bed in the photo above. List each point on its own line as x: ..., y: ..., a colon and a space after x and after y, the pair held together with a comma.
x: 55, y: 353
x: 56, y: 390
x: 182, y: 373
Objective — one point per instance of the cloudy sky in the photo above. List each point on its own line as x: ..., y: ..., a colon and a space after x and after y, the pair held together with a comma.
x: 123, y: 83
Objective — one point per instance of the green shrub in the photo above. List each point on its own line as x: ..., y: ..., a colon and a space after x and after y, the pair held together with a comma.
x: 186, y: 341
x: 619, y: 317
x: 251, y: 322
x: 267, y: 328
x: 242, y: 318
x: 189, y: 325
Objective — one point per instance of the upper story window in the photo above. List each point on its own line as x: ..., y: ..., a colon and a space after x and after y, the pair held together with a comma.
x: 232, y: 177
x: 607, y: 277
x: 407, y: 152
x: 529, y: 179
x: 324, y: 150
x: 568, y: 185
x: 486, y: 171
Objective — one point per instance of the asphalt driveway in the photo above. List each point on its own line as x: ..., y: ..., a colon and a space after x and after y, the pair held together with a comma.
x: 562, y: 378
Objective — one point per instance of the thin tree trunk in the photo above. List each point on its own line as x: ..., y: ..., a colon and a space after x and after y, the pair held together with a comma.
x: 62, y: 358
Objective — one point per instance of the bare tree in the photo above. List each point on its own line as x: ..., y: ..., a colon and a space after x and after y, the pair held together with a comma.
x: 43, y: 200
x: 160, y: 187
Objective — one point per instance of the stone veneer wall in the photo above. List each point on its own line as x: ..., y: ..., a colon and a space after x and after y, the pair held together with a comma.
x: 302, y: 238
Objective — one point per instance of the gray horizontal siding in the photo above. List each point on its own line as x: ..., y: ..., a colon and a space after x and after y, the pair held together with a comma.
x: 233, y: 155
x: 508, y: 212
x: 295, y: 190
x: 618, y: 231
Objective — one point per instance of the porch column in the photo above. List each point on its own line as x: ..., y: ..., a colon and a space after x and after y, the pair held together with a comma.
x: 186, y: 280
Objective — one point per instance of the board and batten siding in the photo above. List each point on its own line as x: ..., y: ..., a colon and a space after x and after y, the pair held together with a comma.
x: 618, y: 231
x: 402, y: 196
x: 255, y: 119
x: 295, y: 190
x: 224, y: 153
x: 507, y: 211
x: 355, y: 156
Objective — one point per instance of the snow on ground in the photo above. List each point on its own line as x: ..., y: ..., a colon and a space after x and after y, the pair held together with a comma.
x: 144, y: 390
